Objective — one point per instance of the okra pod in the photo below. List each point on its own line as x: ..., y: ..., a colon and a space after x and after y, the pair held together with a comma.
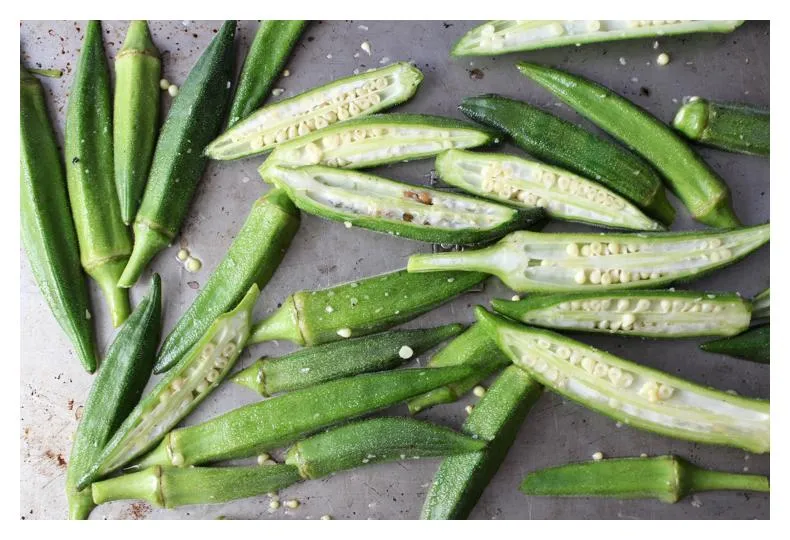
x: 761, y: 305
x: 734, y: 127
x: 268, y: 53
x: 496, y: 419
x: 194, y: 119
x: 472, y: 348
x: 753, y: 345
x: 666, y: 478
x: 529, y: 184
x: 702, y: 191
x: 396, y: 208
x: 502, y: 37
x: 633, y: 394
x: 316, y: 110
x: 272, y: 423
x: 314, y: 365
x: 104, y: 240
x: 653, y: 314
x: 116, y: 390
x: 252, y: 258
x: 135, y: 116
x: 195, y: 376
x: 46, y: 222
x: 550, y: 262
x: 362, y: 307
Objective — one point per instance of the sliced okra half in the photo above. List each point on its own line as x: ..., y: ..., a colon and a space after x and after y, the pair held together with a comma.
x: 530, y: 184
x: 654, y: 314
x: 633, y: 394
x: 545, y: 262
x: 340, y: 100
x: 396, y: 208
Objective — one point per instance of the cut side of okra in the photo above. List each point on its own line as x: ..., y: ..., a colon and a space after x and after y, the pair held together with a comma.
x: 500, y: 37
x: 530, y: 184
x: 396, y: 208
x: 340, y: 100
x: 655, y: 314
x: 636, y: 395
x: 545, y: 262
x: 377, y: 140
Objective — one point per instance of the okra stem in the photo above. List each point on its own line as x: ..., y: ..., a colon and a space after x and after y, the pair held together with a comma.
x: 761, y: 305
x: 734, y: 127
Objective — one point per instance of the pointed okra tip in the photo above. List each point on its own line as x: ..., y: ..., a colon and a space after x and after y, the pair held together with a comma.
x: 508, y: 308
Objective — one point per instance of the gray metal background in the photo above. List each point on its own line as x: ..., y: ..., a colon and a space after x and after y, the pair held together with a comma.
x: 53, y: 386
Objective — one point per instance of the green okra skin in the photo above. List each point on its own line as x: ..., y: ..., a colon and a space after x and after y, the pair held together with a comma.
x: 182, y: 389
x: 761, y: 305
x: 735, y: 127
x: 377, y: 440
x: 52, y: 73
x: 666, y: 478
x: 556, y: 141
x: 560, y: 262
x: 105, y: 243
x: 753, y: 345
x: 362, y: 307
x: 46, y: 223
x: 266, y: 58
x: 272, y: 423
x: 496, y: 419
x: 702, y: 191
x: 473, y: 348
x: 315, y: 365
x: 115, y: 392
x: 643, y: 313
x: 502, y: 37
x: 397, y: 208
x: 252, y: 258
x: 630, y: 393
x: 138, y: 70
x: 194, y: 119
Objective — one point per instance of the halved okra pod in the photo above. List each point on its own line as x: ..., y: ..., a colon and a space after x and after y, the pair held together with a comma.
x: 361, y: 307
x: 702, y: 191
x: 135, y: 115
x: 252, y: 258
x: 46, y: 223
x: 666, y: 478
x: 114, y: 394
x: 396, y: 208
x: 734, y: 127
x: 654, y: 314
x: 105, y: 243
x: 529, y: 184
x: 195, y: 376
x: 633, y: 394
x: 501, y: 37
x: 378, y: 140
x: 496, y: 419
x: 194, y: 119
x: 317, y: 109
x: 753, y: 345
x: 314, y: 365
x: 547, y: 262
x: 268, y: 53
x: 761, y: 305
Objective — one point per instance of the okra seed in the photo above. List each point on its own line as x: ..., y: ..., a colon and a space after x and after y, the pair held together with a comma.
x: 192, y: 265
x: 601, y: 370
x: 172, y: 90
x: 606, y: 279
x: 177, y: 460
x: 628, y: 320
x: 212, y: 375
x: 642, y: 305
x: 614, y: 326
x: 643, y: 455
x: 598, y: 456
x: 563, y: 352
x: 182, y: 255
x: 177, y: 384
x: 229, y: 349
x: 714, y: 243
x: 164, y: 84
x: 575, y: 304
x: 627, y: 380
x: 603, y: 325
x: 326, y: 517
x: 665, y: 306
x: 717, y: 309
x: 596, y: 248
x: 468, y: 409
x: 543, y: 344
x: 274, y: 505
x: 614, y: 248
x: 540, y: 365
x: 665, y: 392
x: 406, y: 352
x: 595, y: 276
x: 572, y: 250
x: 585, y: 251
x: 344, y: 332
x: 575, y: 358
x: 292, y: 503
x: 329, y: 309
x: 632, y: 248
x: 479, y: 391
x: 263, y: 458
x: 563, y: 182
x: 221, y: 362
x: 625, y: 276
x: 615, y: 374
x: 580, y: 277
x: 202, y: 387
x: 588, y: 364
x: 552, y: 375
x: 706, y: 308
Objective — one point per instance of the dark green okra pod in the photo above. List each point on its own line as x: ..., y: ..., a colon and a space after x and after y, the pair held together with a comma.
x: 753, y: 344
x: 666, y: 478
x: 105, y: 243
x: 314, y: 365
x: 46, y: 222
x: 115, y: 392
x: 734, y: 127
x: 253, y: 257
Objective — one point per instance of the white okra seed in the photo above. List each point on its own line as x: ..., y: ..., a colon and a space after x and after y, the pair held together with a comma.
x: 601, y: 370
x: 588, y: 364
x: 595, y: 276
x: 479, y: 391
x: 406, y: 352
x: 344, y: 332
x: 292, y: 503
x: 598, y: 456
x: 580, y: 277
x: 572, y: 250
x: 628, y: 320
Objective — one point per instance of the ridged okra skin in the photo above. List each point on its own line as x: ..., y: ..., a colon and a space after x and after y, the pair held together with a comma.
x: 194, y: 119
x: 138, y: 70
x: 105, y: 242
x: 496, y: 419
x: 362, y: 307
x: 753, y: 345
x: 46, y: 223
x: 666, y: 478
x: 115, y: 392
x: 734, y: 127
x: 252, y: 258
x: 702, y: 191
